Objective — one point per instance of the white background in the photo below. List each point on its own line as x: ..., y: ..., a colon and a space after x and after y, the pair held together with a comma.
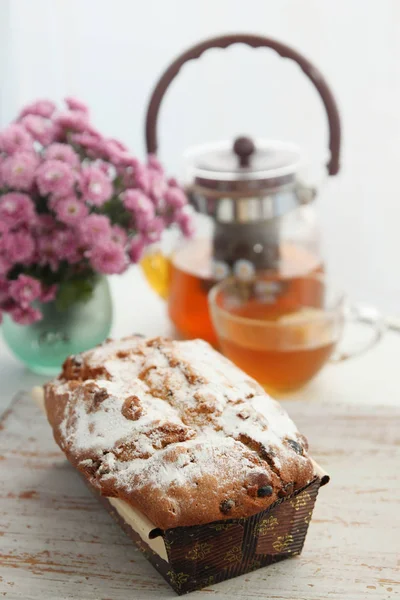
x: 110, y: 53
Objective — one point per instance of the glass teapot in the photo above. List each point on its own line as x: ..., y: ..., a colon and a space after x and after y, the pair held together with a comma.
x: 253, y: 211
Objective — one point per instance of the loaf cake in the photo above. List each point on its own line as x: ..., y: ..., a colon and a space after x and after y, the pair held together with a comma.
x: 177, y: 438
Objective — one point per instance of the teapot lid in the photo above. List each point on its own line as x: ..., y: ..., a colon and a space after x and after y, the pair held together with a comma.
x: 245, y: 165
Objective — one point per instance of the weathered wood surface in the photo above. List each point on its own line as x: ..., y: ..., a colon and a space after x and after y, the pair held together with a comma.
x: 57, y: 542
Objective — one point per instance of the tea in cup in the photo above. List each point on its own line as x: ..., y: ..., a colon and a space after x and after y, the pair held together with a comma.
x: 281, y: 332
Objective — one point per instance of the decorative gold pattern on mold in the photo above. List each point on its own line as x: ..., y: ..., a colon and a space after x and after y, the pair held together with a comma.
x: 300, y: 501
x: 307, y: 518
x: 282, y: 542
x: 266, y: 525
x: 168, y: 544
x: 234, y: 555
x: 177, y: 579
x: 222, y: 526
x: 199, y: 551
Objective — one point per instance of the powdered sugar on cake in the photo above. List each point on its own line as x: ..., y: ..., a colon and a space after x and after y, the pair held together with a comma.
x: 166, y: 415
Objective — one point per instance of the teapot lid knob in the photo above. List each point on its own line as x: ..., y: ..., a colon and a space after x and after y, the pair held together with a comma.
x: 244, y: 147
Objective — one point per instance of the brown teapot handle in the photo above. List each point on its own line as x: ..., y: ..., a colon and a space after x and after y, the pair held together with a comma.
x: 256, y: 41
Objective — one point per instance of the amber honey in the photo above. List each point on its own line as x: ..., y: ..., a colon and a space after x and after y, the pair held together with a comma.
x: 185, y: 279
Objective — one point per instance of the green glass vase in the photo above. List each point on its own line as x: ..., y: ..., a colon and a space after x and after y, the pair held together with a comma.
x: 44, y: 346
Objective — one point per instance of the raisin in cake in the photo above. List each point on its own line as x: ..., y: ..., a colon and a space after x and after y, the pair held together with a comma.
x: 176, y: 431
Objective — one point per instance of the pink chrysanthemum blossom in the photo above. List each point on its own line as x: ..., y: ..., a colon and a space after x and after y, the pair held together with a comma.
x: 41, y: 108
x: 153, y: 230
x: 96, y: 186
x: 141, y: 207
x: 66, y: 245
x: 18, y: 170
x: 126, y: 176
x: 116, y: 144
x: 158, y: 188
x: 108, y: 257
x: 74, y: 173
x: 25, y: 290
x: 48, y: 293
x: 73, y: 120
x: 184, y: 218
x: 118, y: 154
x: 42, y: 130
x: 55, y: 177
x: 118, y: 235
x: 136, y: 248
x: 8, y: 305
x: 44, y: 224
x: 16, y: 209
x: 26, y: 316
x: 94, y: 229
x: 143, y: 222
x: 113, y: 145
x: 70, y: 210
x: 105, y: 167
x: 143, y: 178
x: 48, y: 252
x: 89, y: 133
x: 175, y: 197
x: 154, y: 163
x: 59, y: 245
x: 52, y: 202
x: 138, y: 203
x: 15, y: 138
x: 74, y: 104
x: 5, y: 265
x: 62, y: 152
x: 91, y: 143
x: 19, y: 246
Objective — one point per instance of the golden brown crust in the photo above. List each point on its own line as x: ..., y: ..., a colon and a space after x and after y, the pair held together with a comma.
x: 176, y: 430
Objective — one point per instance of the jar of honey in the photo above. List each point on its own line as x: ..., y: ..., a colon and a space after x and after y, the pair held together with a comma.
x: 254, y: 211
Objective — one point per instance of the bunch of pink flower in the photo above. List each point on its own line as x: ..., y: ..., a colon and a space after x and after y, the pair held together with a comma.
x: 73, y: 202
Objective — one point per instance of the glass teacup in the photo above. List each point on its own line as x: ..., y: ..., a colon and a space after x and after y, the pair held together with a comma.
x: 282, y: 332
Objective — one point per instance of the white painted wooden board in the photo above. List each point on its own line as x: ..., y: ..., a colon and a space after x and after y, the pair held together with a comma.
x: 57, y: 542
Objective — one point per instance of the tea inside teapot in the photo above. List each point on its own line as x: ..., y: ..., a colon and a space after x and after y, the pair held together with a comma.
x: 252, y: 217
